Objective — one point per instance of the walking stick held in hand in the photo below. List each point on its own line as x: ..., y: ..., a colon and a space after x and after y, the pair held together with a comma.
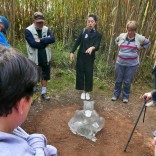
x: 144, y: 106
x: 144, y: 113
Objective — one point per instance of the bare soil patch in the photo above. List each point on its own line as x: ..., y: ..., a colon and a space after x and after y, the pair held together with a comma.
x: 51, y: 118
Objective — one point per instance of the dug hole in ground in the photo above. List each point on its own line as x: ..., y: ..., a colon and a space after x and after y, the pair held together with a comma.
x: 51, y: 118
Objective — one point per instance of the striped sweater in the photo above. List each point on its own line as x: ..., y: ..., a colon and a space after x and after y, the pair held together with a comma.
x: 128, y: 53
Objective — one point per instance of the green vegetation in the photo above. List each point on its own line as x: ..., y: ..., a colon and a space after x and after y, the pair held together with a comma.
x: 66, y: 18
x: 63, y: 72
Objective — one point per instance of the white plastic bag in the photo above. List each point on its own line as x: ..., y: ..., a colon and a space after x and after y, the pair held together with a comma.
x: 86, y: 122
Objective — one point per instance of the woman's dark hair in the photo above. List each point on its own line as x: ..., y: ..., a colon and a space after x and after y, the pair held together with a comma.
x: 93, y: 16
x: 18, y: 76
x: 95, y: 19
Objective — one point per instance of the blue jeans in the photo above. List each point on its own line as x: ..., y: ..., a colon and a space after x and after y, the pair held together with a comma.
x: 123, y: 75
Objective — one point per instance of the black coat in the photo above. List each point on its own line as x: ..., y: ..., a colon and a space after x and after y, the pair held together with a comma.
x: 87, y: 39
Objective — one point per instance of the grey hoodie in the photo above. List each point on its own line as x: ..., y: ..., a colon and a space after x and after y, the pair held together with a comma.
x: 22, y: 144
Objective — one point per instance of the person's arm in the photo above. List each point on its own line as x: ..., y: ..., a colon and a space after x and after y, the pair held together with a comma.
x: 38, y: 142
x: 96, y: 45
x: 150, y: 96
x: 147, y: 96
x: 154, y: 141
x: 77, y: 43
x: 154, y: 95
x: 118, y: 39
x: 49, y: 39
x: 3, y: 40
x: 154, y: 63
x: 97, y: 42
x: 146, y: 43
x: 32, y: 42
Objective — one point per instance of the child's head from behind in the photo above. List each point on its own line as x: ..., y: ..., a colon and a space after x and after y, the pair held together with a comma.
x: 18, y: 76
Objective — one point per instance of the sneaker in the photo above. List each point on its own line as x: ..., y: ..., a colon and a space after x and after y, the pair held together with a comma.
x: 125, y: 100
x: 45, y: 96
x: 87, y: 96
x: 151, y: 104
x: 83, y: 96
x: 114, y: 98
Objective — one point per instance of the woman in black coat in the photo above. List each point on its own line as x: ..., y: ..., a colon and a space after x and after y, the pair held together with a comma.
x: 88, y: 42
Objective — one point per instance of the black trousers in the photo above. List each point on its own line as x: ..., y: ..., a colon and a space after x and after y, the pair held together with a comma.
x: 84, y: 72
x: 45, y: 72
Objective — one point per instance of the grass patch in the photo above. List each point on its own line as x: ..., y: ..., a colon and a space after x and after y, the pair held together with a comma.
x: 61, y: 80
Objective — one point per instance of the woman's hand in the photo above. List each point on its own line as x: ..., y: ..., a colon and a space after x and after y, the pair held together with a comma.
x: 147, y: 96
x: 90, y: 50
x: 71, y: 56
x: 37, y: 39
x: 154, y: 141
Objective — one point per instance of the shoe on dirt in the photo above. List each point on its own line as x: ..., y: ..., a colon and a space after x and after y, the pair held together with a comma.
x: 125, y: 100
x: 151, y: 104
x: 45, y: 97
x: 87, y: 96
x: 83, y: 96
x: 114, y: 98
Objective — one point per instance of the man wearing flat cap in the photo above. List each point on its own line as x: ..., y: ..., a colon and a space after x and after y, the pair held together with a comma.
x: 38, y: 39
x: 4, y: 25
